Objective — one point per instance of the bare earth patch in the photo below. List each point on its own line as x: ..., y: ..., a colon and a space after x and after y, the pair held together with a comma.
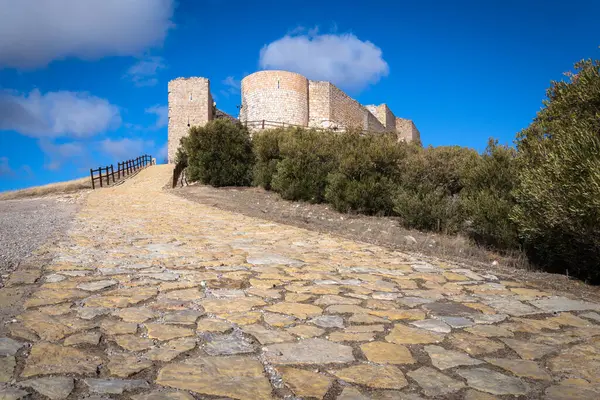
x: 383, y: 231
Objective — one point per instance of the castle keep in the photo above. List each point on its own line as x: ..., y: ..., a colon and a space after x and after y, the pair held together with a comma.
x: 280, y: 98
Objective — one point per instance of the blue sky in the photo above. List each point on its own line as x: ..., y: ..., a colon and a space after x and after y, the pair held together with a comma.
x: 84, y: 83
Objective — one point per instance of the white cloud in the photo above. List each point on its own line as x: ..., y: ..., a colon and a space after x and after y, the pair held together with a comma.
x: 125, y: 149
x: 342, y: 59
x: 162, y: 115
x: 54, y: 114
x: 35, y: 32
x: 232, y: 83
x: 143, y: 73
x: 5, y: 169
x: 59, y: 154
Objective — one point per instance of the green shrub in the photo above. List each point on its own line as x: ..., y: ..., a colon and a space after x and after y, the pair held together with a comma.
x: 366, y: 173
x: 308, y: 156
x: 558, y: 189
x: 219, y: 154
x: 427, y: 197
x: 486, y: 198
x: 267, y: 155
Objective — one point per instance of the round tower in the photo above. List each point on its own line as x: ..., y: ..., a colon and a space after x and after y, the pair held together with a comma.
x: 277, y: 96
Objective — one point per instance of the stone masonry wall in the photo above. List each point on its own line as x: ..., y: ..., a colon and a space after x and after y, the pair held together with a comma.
x: 319, y: 104
x: 190, y: 104
x: 278, y: 96
x: 349, y: 113
x: 407, y: 130
x: 384, y: 115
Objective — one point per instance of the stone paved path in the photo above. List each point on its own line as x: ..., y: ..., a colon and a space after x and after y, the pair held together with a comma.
x: 156, y: 297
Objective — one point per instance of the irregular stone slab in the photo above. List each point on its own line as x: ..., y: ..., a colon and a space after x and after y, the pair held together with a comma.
x: 48, y: 358
x: 298, y: 310
x: 7, y: 367
x: 184, y: 295
x: 473, y: 344
x: 133, y: 342
x: 9, y: 347
x: 450, y: 308
x: 47, y: 327
x: 163, y: 395
x: 170, y: 350
x: 88, y: 313
x: 581, y: 361
x: 331, y: 299
x: 48, y: 297
x: 213, y: 325
x: 557, y: 304
x: 488, y: 318
x: 234, y: 343
x: 11, y: 393
x: 54, y: 278
x: 305, y: 383
x: 412, y: 301
x: 237, y: 377
x: 444, y: 359
x: 239, y: 304
x: 572, y: 391
x: 308, y: 351
x: 523, y: 368
x: 435, y: 383
x: 92, y: 338
x: 527, y: 349
x: 267, y: 259
x: 97, y: 285
x: 136, y: 314
x: 184, y: 317
x: 267, y: 336
x: 167, y: 332
x: 328, y: 321
x: 510, y: 306
x: 306, y: 331
x: 402, y: 334
x: 351, y: 393
x: 477, y: 395
x: 265, y: 293
x: 365, y: 328
x: 367, y: 319
x: 55, y: 387
x: 493, y: 382
x: 372, y: 375
x: 243, y: 318
x: 433, y: 325
x: 124, y: 365
x: 489, y: 331
x: 121, y: 298
x: 456, y: 322
x: 114, y: 386
x: 279, y: 320
x: 23, y: 277
x: 110, y: 327
x: 387, y: 353
x: 399, y: 314
x: 591, y: 315
x: 345, y: 336
x: 161, y: 276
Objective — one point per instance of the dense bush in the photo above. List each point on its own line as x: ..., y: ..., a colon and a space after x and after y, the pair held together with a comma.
x: 558, y: 193
x: 366, y: 173
x: 427, y: 196
x: 267, y: 155
x: 219, y: 154
x: 307, y: 157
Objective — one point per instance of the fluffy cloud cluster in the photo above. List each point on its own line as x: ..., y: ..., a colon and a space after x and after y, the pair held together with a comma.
x: 342, y: 59
x: 35, y: 32
x: 56, y: 114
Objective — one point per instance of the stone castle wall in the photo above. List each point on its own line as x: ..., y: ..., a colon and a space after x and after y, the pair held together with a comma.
x: 190, y: 104
x: 282, y: 97
x: 277, y: 96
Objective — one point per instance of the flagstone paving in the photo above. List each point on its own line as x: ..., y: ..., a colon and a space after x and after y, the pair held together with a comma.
x: 152, y: 296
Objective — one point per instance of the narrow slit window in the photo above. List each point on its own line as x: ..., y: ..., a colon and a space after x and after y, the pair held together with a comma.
x: 191, y: 98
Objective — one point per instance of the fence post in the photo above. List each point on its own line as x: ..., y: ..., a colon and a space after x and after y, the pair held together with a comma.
x: 112, y: 172
x: 92, y: 176
x: 100, y: 172
x: 263, y: 124
x: 119, y: 170
x: 107, y: 177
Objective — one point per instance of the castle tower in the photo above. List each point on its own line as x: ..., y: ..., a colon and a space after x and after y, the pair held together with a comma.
x: 277, y: 96
x: 190, y: 104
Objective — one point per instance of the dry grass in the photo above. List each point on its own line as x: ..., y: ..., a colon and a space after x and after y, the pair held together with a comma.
x: 50, y: 189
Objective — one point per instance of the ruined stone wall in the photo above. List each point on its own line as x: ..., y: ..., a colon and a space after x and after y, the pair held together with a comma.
x: 190, y: 104
x: 384, y: 115
x: 407, y: 130
x: 372, y: 124
x: 319, y: 104
x: 278, y: 96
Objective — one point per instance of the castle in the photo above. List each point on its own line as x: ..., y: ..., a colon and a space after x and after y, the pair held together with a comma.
x: 280, y: 98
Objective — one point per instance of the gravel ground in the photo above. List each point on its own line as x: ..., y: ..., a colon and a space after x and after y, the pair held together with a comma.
x: 27, y: 224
